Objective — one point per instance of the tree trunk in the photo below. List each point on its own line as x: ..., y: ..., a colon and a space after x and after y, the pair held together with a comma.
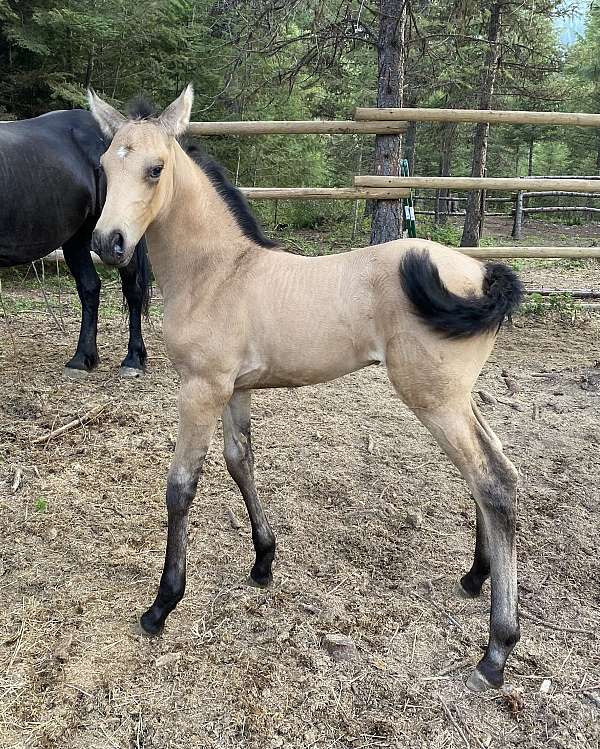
x: 89, y: 69
x: 474, y: 215
x: 530, y: 160
x: 598, y: 153
x: 386, y: 220
x: 442, y: 203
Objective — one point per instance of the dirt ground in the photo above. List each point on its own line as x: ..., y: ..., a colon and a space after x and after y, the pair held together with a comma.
x: 346, y: 473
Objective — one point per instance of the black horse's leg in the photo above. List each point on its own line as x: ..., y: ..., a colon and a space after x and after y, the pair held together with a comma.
x: 79, y: 261
x: 135, y: 284
x: 240, y: 464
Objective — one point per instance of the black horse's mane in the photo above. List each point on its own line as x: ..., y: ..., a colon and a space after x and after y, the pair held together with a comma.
x: 142, y: 109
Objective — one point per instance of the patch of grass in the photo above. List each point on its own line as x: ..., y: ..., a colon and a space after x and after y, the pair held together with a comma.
x: 449, y: 235
x: 23, y: 305
x: 564, y: 305
x: 41, y: 505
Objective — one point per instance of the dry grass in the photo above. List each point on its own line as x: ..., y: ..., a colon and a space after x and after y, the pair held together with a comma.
x: 339, y: 467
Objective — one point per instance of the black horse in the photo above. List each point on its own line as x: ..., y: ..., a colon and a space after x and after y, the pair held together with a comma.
x: 51, y: 195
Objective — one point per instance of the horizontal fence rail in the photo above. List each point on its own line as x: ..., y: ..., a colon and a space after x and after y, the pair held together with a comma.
x: 479, y: 183
x: 559, y: 193
x: 452, y: 198
x: 493, y: 116
x: 325, y: 193
x: 296, y: 127
x: 560, y: 209
x: 548, y: 253
x: 541, y: 252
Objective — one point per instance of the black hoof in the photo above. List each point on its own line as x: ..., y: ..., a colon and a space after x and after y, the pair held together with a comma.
x: 469, y: 588
x: 477, y: 682
x: 82, y: 363
x: 260, y: 581
x: 485, y: 676
x: 135, y: 362
x: 151, y: 624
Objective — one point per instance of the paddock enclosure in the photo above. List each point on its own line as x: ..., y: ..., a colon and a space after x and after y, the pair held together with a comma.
x: 374, y: 528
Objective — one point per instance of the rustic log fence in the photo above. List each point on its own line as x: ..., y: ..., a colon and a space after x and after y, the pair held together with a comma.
x: 373, y: 121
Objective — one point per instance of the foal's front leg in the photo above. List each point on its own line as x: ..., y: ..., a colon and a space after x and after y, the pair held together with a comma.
x: 240, y: 464
x: 200, y: 405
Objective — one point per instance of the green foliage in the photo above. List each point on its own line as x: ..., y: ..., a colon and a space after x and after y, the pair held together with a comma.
x: 306, y: 59
x: 41, y: 504
x: 563, y: 305
x: 448, y: 234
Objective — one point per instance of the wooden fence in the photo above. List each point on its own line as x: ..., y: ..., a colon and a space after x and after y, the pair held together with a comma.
x: 492, y: 116
x: 372, y: 121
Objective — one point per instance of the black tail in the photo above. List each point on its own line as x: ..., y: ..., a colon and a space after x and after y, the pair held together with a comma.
x: 452, y: 315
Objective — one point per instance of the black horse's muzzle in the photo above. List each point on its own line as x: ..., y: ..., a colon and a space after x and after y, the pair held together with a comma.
x: 110, y: 247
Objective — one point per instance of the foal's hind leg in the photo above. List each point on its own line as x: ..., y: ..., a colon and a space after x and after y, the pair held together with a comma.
x: 470, y: 584
x: 240, y: 464
x: 477, y: 453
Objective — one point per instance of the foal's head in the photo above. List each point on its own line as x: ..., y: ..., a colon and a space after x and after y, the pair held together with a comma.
x: 139, y: 173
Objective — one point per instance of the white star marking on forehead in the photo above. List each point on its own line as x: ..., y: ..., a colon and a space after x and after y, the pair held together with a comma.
x: 122, y: 151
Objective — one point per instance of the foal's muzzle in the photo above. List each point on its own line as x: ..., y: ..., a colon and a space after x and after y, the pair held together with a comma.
x: 111, y: 247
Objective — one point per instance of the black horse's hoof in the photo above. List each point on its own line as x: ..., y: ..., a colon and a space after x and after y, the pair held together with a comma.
x: 72, y: 373
x: 477, y: 682
x: 463, y: 591
x: 470, y: 586
x: 260, y: 581
x: 81, y: 365
x: 150, y: 624
x: 130, y: 372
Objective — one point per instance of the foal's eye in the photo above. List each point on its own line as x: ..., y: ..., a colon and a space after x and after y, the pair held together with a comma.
x: 155, y: 171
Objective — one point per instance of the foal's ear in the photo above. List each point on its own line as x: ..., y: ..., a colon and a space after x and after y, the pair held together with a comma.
x: 176, y: 116
x: 106, y: 116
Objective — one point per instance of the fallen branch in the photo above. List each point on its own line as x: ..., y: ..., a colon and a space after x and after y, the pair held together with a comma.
x: 491, y: 400
x: 79, y: 422
x: 507, y: 402
x: 439, y: 609
x: 575, y: 293
x: 454, y: 723
x: 8, y: 323
x: 233, y: 521
x: 60, y: 326
x: 17, y: 480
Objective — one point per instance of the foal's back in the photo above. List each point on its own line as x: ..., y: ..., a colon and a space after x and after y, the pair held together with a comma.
x: 308, y: 320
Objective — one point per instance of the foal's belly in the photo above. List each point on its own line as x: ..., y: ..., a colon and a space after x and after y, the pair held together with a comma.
x: 294, y: 368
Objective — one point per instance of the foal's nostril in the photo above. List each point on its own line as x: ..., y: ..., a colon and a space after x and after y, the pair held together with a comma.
x: 118, y: 245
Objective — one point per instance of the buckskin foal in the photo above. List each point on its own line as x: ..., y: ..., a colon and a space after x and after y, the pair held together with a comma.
x: 239, y: 315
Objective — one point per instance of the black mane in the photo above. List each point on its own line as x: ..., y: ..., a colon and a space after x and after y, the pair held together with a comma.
x: 234, y: 198
x: 140, y: 108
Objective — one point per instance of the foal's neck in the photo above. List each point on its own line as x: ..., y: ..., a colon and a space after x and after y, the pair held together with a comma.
x: 194, y: 236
